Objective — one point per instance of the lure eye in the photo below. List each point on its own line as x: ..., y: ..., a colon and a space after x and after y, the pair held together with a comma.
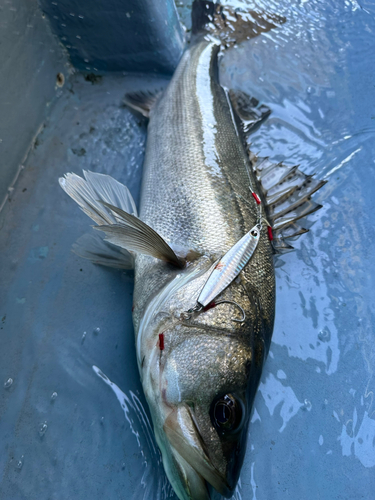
x: 226, y: 414
x: 254, y: 233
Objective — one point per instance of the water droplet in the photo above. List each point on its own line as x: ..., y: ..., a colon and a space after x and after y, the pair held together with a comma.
x: 53, y: 396
x: 102, y: 421
x: 83, y: 337
x: 19, y: 464
x: 123, y: 465
x: 8, y: 383
x: 324, y: 335
x: 42, y: 429
x: 96, y: 330
x: 128, y: 14
x: 307, y: 405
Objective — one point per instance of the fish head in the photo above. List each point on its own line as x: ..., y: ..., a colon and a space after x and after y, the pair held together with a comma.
x: 206, y: 391
x: 200, y: 374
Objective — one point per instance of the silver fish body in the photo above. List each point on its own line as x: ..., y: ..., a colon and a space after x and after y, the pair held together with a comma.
x: 195, y: 193
x: 201, y: 235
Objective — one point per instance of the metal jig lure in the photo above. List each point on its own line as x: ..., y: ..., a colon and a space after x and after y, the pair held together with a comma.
x: 229, y: 267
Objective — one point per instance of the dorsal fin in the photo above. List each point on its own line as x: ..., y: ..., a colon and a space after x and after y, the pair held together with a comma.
x: 287, y: 192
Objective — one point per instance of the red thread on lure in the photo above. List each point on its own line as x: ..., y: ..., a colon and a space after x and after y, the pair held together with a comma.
x: 161, y: 341
x: 209, y: 306
x: 256, y: 197
x: 270, y: 234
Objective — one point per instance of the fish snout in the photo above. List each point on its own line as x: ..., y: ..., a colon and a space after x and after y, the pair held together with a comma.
x: 196, y: 468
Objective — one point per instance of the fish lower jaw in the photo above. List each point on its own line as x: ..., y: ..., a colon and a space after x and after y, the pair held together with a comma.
x: 189, y: 485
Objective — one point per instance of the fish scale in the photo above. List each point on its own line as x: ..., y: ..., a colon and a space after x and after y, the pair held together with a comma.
x: 195, y: 207
x: 205, y: 198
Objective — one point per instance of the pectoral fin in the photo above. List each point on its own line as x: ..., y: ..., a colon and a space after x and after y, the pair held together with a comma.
x: 131, y: 233
x: 110, y: 204
x: 93, y: 247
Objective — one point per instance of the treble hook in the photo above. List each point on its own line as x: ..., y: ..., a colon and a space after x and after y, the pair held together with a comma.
x: 188, y: 314
x: 199, y: 308
x: 235, y: 304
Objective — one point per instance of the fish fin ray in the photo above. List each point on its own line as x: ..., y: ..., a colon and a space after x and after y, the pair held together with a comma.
x: 133, y: 234
x: 111, y: 191
x: 93, y: 247
x: 287, y: 192
x: 94, y: 189
x: 142, y: 101
x: 231, y: 26
x: 281, y: 246
x: 97, y: 195
x: 249, y: 112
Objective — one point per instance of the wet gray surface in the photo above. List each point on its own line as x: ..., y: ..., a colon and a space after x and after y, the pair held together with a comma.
x: 313, y: 428
x: 30, y: 59
x: 117, y: 35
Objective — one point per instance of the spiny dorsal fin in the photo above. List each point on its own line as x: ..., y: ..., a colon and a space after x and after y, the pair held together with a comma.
x: 287, y: 192
x: 142, y: 101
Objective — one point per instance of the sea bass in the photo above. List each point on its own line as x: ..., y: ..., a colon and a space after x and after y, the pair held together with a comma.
x: 212, y: 216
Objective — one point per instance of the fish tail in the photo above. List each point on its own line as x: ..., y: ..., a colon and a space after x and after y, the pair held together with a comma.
x: 231, y: 26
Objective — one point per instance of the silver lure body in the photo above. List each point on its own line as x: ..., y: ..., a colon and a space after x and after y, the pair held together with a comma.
x: 195, y: 195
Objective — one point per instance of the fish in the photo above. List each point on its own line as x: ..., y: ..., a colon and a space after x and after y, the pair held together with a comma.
x: 212, y: 217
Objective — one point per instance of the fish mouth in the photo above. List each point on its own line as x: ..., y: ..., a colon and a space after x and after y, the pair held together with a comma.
x: 183, y: 435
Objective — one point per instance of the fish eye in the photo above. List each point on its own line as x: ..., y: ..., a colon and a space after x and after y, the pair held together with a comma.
x: 226, y: 414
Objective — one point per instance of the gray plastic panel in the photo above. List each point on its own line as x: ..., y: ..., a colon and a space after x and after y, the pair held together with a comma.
x: 30, y: 59
x: 118, y: 35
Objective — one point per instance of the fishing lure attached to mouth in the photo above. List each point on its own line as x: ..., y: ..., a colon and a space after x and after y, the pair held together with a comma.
x: 226, y: 271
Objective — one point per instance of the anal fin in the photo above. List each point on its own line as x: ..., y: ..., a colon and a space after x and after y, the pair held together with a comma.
x: 250, y: 113
x: 142, y: 101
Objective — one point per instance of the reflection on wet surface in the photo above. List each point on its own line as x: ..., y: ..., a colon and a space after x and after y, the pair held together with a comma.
x: 313, y: 426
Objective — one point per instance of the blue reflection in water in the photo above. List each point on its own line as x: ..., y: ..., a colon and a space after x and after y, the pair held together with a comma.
x: 154, y: 482
x: 313, y: 427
